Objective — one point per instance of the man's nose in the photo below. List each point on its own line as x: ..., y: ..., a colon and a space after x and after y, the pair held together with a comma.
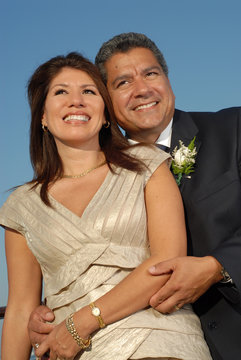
x: 142, y: 88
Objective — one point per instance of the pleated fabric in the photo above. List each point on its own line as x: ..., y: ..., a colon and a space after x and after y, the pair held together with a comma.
x: 84, y: 257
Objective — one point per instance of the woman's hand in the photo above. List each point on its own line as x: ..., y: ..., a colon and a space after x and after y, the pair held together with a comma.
x: 60, y: 343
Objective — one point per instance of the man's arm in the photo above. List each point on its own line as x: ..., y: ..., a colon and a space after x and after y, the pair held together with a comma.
x: 190, y: 278
x: 193, y: 276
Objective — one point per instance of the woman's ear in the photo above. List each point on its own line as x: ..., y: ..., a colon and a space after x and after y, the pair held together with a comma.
x: 44, y: 122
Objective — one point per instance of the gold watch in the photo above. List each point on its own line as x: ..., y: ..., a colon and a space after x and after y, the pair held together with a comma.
x: 96, y: 312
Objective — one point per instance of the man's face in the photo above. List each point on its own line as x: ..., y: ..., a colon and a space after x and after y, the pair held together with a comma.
x: 141, y: 93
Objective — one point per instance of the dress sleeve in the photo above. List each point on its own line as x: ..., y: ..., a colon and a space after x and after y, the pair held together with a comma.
x: 11, y: 215
x: 153, y: 157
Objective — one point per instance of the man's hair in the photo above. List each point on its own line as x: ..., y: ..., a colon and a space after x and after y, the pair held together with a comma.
x: 123, y: 43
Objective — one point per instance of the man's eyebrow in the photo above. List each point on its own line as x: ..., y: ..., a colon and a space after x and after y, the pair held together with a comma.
x: 121, y: 77
x: 144, y: 71
x: 151, y: 68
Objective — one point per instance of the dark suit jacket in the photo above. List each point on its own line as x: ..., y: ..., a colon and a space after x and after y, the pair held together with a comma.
x: 212, y: 201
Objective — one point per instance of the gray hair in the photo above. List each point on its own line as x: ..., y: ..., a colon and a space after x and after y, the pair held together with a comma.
x: 123, y: 43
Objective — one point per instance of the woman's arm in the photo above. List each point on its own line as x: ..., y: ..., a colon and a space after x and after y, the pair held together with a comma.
x: 24, y: 282
x: 167, y: 237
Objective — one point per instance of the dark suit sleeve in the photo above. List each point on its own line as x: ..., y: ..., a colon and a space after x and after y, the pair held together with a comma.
x: 228, y: 253
x: 212, y: 197
x: 212, y: 201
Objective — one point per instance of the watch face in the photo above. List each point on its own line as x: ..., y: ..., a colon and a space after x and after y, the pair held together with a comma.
x: 96, y: 311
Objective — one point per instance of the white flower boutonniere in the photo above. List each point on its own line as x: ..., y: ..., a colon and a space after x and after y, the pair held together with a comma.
x: 183, y: 160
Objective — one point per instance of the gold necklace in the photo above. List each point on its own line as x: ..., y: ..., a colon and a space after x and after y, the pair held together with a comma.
x: 85, y: 172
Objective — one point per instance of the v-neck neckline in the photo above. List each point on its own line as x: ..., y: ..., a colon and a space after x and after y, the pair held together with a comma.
x: 65, y: 209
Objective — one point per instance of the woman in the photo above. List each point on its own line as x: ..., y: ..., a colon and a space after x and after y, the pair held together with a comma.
x: 82, y: 223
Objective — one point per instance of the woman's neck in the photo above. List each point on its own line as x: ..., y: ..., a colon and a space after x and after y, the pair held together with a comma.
x: 77, y: 160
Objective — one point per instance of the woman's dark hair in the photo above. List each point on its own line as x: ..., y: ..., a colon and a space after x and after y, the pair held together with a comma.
x: 45, y: 159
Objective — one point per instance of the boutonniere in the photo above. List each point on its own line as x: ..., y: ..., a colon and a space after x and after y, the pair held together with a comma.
x: 183, y: 160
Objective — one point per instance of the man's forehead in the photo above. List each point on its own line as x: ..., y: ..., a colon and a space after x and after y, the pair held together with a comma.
x: 139, y: 59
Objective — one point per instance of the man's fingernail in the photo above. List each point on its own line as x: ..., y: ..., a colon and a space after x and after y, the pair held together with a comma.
x: 152, y: 269
x: 49, y: 315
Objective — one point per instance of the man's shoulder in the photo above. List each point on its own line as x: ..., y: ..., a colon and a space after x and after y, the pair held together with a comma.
x: 203, y: 116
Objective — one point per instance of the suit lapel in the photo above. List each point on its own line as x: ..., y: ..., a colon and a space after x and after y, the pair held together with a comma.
x: 184, y: 129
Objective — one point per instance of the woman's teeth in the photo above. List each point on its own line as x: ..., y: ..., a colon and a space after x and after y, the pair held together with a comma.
x: 77, y: 117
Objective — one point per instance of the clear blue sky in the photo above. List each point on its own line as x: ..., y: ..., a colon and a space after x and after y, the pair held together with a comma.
x: 200, y: 40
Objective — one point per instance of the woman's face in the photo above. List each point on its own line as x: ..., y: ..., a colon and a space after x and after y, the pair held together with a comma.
x: 74, y: 109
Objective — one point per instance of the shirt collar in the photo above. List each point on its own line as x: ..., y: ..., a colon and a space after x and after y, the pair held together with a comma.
x: 166, y: 135
x: 164, y: 138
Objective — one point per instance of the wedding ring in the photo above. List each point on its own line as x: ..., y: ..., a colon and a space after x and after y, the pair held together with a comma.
x: 36, y: 345
x: 177, y: 308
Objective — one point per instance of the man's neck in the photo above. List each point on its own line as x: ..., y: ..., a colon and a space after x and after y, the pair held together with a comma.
x: 150, y: 139
x: 153, y: 137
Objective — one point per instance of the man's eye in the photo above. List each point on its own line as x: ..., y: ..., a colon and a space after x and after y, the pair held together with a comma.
x: 121, y: 83
x: 89, y: 91
x: 60, y: 91
x: 151, y: 73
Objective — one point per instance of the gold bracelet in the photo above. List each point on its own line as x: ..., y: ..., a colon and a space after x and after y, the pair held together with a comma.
x: 96, y: 312
x: 83, y: 343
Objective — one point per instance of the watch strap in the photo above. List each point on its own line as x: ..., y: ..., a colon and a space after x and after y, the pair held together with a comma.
x: 226, y: 277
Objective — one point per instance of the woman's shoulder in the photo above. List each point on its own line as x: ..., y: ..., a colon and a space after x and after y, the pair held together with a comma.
x: 148, y: 152
x: 151, y: 156
x: 21, y: 193
x: 142, y: 150
x: 16, y: 209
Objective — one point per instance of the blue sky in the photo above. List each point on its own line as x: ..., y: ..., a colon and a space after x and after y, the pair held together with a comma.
x: 200, y: 41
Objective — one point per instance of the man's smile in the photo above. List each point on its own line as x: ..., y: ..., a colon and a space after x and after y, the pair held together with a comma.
x: 145, y: 106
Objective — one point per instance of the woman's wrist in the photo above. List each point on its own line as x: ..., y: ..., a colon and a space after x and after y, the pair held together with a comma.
x: 70, y: 326
x: 85, y: 322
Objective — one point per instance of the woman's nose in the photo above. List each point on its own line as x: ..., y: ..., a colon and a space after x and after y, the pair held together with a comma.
x: 77, y: 100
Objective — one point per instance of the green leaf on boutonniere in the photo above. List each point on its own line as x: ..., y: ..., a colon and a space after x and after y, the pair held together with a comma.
x: 183, y: 159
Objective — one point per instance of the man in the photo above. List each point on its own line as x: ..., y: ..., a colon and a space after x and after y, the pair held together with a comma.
x: 136, y: 75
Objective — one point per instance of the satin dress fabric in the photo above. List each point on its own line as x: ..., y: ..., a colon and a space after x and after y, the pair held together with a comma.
x: 82, y: 258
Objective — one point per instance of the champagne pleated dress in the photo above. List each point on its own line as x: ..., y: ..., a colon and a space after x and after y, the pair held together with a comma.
x: 84, y: 257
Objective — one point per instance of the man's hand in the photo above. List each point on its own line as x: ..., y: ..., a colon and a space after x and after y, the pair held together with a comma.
x: 59, y: 344
x: 190, y: 278
x: 38, y: 329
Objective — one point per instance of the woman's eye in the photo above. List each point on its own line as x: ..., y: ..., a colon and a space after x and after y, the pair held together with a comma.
x: 60, y: 91
x: 89, y: 91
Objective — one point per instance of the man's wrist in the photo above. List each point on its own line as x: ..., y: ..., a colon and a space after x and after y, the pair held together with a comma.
x: 222, y: 275
x: 217, y: 267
